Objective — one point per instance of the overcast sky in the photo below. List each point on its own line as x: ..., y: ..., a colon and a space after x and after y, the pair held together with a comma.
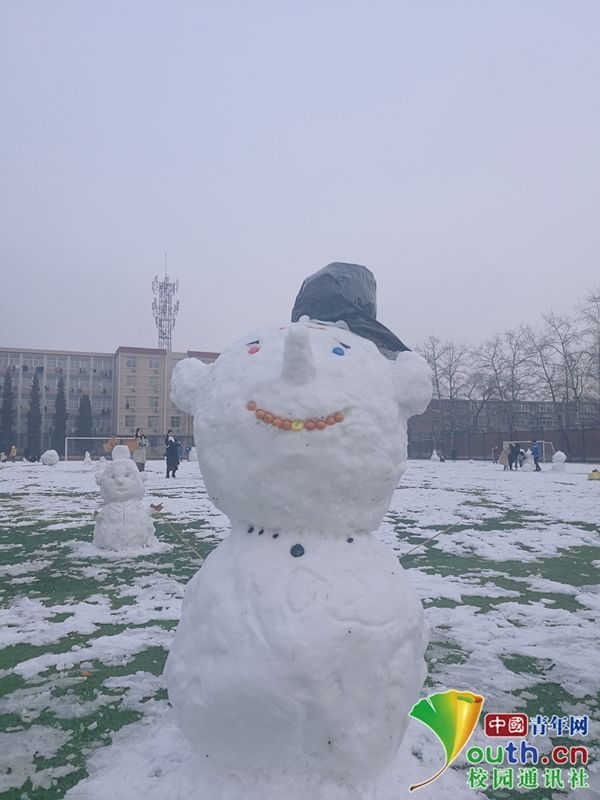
x: 452, y: 147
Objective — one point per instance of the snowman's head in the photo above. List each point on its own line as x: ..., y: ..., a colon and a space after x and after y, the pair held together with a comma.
x: 120, y: 479
x: 302, y: 426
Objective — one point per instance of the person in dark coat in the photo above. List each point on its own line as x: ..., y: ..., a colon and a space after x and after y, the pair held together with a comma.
x: 172, y: 453
x: 513, y: 456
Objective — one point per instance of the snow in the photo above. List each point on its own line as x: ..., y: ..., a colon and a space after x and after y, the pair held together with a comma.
x: 513, y: 610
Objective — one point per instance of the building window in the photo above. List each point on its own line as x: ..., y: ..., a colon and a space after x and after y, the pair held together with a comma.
x: 130, y: 421
x: 153, y: 422
x: 153, y: 403
x: 154, y: 362
x: 129, y: 401
x: 175, y: 422
x: 154, y: 382
x: 131, y: 361
x: 130, y: 381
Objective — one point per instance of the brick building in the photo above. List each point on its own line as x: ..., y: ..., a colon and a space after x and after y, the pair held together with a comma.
x: 473, y: 429
x: 127, y: 389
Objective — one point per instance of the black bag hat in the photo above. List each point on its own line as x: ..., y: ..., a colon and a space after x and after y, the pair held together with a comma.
x: 348, y: 293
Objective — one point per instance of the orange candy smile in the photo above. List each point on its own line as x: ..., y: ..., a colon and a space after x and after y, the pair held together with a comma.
x: 294, y: 425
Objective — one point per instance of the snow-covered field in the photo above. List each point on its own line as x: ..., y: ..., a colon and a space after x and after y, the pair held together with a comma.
x: 510, y: 588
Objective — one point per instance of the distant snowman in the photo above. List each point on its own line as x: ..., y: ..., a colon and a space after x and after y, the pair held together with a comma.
x: 558, y: 462
x: 434, y: 457
x: 122, y: 523
x: 300, y: 648
x: 49, y: 458
x: 87, y: 459
x: 193, y: 454
x: 528, y: 463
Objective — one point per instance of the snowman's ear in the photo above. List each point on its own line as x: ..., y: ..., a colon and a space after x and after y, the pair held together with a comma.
x: 186, y: 382
x: 412, y: 378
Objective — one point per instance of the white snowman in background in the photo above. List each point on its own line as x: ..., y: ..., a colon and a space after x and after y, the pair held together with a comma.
x: 122, y: 523
x: 434, y: 457
x: 49, y: 458
x: 528, y: 463
x: 558, y: 462
x: 300, y: 647
x: 193, y: 454
x: 87, y: 459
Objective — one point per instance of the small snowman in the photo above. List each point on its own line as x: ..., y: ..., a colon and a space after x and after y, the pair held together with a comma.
x: 300, y: 647
x: 87, y: 459
x: 558, y: 462
x: 528, y: 463
x: 434, y: 457
x: 122, y: 523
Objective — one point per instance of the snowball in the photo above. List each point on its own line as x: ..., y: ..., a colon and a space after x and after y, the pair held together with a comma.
x: 49, y: 458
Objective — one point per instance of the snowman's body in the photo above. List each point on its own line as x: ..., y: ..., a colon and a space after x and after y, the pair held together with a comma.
x: 122, y: 522
x: 300, y: 648
x: 49, y: 458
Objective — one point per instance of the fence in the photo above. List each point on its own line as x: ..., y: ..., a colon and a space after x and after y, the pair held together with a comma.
x: 580, y: 444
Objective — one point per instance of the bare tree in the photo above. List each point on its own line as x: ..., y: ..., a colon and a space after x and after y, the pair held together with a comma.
x: 431, y: 350
x: 502, y: 365
x: 589, y: 316
x: 448, y: 361
x: 565, y: 338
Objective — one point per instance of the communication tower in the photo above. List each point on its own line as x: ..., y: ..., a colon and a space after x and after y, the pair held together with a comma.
x: 165, y: 310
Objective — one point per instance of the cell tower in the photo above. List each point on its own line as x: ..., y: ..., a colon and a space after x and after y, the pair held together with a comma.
x: 165, y: 310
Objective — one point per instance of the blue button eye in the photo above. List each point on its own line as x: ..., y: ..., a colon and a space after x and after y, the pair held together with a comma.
x: 338, y: 351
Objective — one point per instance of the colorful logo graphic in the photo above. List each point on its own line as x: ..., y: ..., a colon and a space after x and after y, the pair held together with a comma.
x: 452, y: 716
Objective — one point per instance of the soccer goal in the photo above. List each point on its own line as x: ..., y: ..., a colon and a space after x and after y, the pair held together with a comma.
x: 96, y: 445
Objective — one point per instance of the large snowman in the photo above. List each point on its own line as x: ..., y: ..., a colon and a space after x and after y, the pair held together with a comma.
x: 300, y: 647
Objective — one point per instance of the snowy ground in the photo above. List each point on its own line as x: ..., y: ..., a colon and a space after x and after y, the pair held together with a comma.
x: 510, y: 588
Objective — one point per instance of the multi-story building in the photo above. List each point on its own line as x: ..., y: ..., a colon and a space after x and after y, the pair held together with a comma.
x: 83, y: 373
x: 127, y: 389
x: 142, y: 381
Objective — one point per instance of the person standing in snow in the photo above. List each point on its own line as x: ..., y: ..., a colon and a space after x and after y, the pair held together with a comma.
x: 172, y: 453
x: 139, y: 454
x: 535, y: 452
x: 13, y: 453
x: 504, y: 456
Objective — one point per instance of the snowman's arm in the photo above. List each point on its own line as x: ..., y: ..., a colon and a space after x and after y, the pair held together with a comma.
x: 187, y: 380
x: 412, y: 377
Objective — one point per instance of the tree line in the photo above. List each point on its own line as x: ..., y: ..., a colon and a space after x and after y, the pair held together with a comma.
x: 58, y: 431
x: 557, y: 361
